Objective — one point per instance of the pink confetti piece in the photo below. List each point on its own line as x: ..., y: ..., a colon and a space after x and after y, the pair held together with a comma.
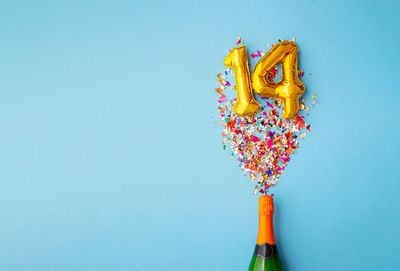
x: 270, y: 105
x: 256, y: 55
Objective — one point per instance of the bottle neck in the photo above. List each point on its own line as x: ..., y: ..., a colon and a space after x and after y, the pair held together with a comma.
x: 265, y: 255
x: 265, y: 226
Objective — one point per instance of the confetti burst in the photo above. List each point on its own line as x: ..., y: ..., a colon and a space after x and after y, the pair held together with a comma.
x: 262, y: 144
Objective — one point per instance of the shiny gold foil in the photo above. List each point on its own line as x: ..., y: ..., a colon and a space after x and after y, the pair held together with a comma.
x: 237, y: 60
x: 290, y: 88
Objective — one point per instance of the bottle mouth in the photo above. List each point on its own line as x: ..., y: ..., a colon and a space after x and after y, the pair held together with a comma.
x: 266, y: 205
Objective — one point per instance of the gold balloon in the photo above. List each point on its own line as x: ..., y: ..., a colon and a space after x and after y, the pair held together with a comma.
x: 290, y: 88
x: 237, y: 60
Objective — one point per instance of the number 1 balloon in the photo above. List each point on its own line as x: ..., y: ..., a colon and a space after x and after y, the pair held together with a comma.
x: 237, y: 60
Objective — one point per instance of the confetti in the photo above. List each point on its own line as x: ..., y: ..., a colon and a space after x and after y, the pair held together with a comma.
x: 262, y: 144
x: 220, y: 89
x: 253, y: 55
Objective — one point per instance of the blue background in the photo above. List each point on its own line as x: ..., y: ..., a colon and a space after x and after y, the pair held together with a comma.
x: 109, y: 155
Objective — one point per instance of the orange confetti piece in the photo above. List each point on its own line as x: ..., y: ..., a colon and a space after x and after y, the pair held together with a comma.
x: 219, y: 90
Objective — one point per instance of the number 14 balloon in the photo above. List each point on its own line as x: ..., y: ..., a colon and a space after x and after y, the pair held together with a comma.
x: 289, y: 89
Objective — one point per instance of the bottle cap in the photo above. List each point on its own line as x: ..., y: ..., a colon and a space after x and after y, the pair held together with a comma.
x: 266, y: 205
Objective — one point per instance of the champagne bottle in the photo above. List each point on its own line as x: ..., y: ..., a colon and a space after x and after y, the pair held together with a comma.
x: 265, y: 256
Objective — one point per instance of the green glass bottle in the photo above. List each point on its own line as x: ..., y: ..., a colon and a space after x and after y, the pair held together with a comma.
x: 265, y: 256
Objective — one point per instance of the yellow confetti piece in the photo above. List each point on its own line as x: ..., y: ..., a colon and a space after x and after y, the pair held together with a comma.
x: 303, y: 135
x: 302, y: 106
